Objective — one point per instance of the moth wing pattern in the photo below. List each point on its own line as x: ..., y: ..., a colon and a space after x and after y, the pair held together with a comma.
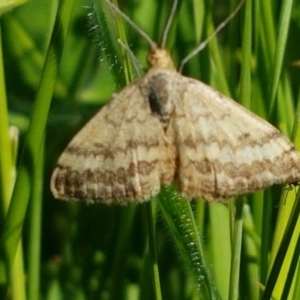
x: 121, y: 155
x: 224, y: 149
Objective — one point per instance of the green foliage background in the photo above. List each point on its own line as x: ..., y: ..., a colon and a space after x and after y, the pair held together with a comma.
x: 169, y: 248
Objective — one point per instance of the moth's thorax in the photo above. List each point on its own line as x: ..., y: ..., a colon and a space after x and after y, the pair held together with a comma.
x: 160, y: 93
x: 158, y: 84
x: 160, y: 58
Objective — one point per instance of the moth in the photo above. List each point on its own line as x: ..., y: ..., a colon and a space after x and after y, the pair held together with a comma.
x: 166, y: 128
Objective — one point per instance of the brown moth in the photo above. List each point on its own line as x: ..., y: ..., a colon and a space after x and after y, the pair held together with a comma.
x: 166, y: 128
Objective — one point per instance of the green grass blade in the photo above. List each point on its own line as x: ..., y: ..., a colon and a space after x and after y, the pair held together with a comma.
x: 105, y: 34
x: 181, y: 223
x: 219, y: 238
x: 8, y: 147
x: 6, y: 160
x: 288, y: 284
x: 35, y: 219
x: 152, y: 248
x: 278, y: 262
x: 284, y: 23
x: 236, y: 252
x: 245, y: 90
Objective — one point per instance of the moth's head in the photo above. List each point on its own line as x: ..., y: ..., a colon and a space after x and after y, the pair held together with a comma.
x: 160, y: 58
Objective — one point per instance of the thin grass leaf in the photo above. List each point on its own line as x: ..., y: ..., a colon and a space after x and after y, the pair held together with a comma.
x: 6, y: 159
x: 181, y: 223
x: 250, y: 257
x: 278, y: 262
x: 245, y: 90
x: 266, y: 32
x: 284, y: 23
x: 105, y: 33
x: 287, y: 292
x: 236, y: 252
x: 8, y: 148
x: 35, y: 217
x: 151, y: 216
x: 296, y: 282
x: 219, y: 238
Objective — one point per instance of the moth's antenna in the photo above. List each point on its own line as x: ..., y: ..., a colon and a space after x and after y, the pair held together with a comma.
x: 169, y: 22
x: 203, y: 44
x: 131, y: 23
x: 135, y: 62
